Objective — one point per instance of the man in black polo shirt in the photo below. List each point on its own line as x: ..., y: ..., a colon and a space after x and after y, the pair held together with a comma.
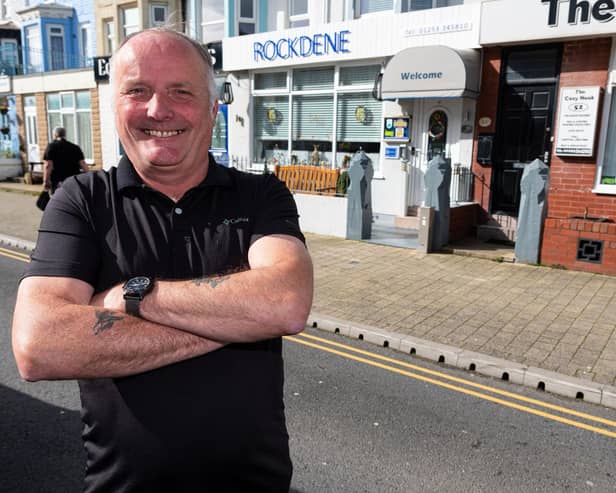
x: 62, y: 160
x: 164, y: 286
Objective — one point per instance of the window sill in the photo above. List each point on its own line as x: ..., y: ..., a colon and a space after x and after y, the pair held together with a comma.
x: 604, y: 189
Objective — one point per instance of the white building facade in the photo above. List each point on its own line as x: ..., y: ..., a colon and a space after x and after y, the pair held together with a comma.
x: 304, y: 91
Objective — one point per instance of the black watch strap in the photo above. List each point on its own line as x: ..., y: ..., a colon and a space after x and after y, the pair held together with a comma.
x: 132, y: 305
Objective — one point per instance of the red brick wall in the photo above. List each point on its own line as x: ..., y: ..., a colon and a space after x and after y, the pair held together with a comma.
x: 462, y: 221
x: 584, y: 63
x: 487, y: 106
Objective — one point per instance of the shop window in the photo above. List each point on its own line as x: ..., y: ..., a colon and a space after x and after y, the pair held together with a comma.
x: 271, y: 118
x: 71, y: 110
x: 608, y: 168
x: 358, y: 125
x: 296, y: 124
x: 312, y: 129
x: 358, y: 76
x: 271, y: 80
x: 437, y: 134
x: 313, y: 79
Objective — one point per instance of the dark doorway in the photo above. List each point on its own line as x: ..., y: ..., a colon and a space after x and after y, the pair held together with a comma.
x: 524, y: 130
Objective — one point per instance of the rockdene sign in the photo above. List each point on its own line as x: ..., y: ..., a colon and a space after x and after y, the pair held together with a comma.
x: 301, y: 46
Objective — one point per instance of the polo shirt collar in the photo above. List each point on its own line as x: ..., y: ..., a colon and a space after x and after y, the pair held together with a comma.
x: 217, y: 175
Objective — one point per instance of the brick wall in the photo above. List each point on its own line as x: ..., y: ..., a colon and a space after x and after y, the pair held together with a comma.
x: 487, y: 106
x: 584, y: 63
x: 97, y: 150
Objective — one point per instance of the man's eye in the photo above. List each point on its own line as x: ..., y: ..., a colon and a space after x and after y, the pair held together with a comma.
x: 135, y: 91
x: 180, y: 93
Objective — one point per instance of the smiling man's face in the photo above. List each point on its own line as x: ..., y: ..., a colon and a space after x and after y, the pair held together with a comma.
x: 163, y: 113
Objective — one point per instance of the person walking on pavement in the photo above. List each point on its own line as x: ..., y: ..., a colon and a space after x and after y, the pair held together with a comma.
x: 63, y: 159
x: 164, y: 285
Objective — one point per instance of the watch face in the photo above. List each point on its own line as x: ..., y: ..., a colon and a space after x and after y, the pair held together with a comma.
x: 138, y: 284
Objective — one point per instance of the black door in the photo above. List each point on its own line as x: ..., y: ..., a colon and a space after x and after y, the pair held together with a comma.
x: 523, y: 135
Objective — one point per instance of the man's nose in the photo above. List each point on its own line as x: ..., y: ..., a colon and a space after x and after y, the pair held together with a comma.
x: 159, y: 107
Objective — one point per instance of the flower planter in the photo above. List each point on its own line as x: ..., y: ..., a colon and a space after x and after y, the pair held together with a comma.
x: 10, y: 168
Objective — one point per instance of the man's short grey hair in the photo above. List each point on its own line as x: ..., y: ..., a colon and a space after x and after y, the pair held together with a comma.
x: 201, y: 50
x: 59, y: 132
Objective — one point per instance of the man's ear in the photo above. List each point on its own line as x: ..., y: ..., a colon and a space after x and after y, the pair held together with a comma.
x: 215, y: 109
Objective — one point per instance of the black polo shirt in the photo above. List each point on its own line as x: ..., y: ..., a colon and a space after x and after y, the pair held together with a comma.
x: 212, y: 423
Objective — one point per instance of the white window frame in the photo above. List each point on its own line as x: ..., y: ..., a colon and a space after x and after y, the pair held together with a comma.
x: 247, y: 20
x: 153, y: 8
x: 128, y: 29
x: 35, y: 53
x: 434, y: 6
x: 358, y: 13
x: 336, y: 89
x: 49, y: 50
x: 84, y: 48
x: 30, y: 123
x: 605, y: 127
x: 109, y: 36
x: 298, y: 20
x: 72, y: 111
x: 8, y: 41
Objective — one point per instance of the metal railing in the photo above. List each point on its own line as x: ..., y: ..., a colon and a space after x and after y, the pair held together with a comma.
x: 461, y: 188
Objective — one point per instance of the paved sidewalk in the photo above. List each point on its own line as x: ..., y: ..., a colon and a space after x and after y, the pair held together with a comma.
x: 539, y: 326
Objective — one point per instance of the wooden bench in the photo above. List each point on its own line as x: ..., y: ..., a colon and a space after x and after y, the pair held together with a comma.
x: 308, y: 179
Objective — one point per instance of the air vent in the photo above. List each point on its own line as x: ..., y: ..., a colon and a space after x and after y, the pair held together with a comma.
x: 590, y: 251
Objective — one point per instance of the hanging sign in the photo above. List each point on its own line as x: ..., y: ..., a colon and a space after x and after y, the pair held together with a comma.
x: 397, y: 128
x: 577, y: 121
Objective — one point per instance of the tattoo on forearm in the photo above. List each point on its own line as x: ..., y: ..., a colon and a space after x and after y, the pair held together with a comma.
x: 210, y: 281
x: 104, y: 321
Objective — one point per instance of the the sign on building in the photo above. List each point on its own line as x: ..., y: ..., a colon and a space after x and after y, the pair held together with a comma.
x: 397, y: 128
x: 577, y: 121
x: 101, y: 68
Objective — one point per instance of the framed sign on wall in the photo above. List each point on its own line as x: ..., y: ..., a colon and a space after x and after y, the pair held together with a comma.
x: 577, y: 121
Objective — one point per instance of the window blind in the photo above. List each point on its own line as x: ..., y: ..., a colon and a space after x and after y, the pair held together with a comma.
x: 359, y: 118
x: 356, y: 76
x: 313, y: 117
x: 271, y: 116
x: 271, y: 80
x: 311, y: 79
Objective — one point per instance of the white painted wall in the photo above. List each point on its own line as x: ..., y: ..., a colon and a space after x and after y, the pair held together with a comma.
x: 322, y: 215
x: 239, y: 112
x: 109, y: 136
x: 66, y: 80
x: 456, y: 26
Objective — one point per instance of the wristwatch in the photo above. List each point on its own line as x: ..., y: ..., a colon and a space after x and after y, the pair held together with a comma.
x: 135, y: 290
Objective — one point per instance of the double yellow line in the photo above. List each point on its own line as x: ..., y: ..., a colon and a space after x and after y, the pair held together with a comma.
x: 22, y: 257
x: 515, y: 401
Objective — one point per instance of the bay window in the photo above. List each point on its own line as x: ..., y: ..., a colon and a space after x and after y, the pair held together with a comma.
x: 72, y: 111
x: 324, y: 114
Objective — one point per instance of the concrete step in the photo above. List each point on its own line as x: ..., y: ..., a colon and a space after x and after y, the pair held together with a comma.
x: 487, y: 232
x: 406, y: 222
